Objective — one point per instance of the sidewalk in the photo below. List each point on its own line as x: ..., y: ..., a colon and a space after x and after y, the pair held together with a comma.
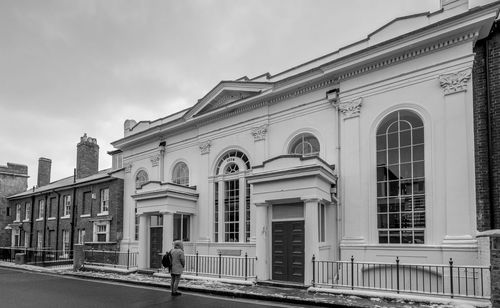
x: 314, y: 296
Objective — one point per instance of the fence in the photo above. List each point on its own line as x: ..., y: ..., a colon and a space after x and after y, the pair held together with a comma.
x: 38, y: 257
x: 436, y: 279
x: 111, y: 258
x: 220, y: 266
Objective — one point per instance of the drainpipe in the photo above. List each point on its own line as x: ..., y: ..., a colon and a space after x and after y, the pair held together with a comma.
x: 73, y: 216
x: 32, y: 218
x: 44, y: 221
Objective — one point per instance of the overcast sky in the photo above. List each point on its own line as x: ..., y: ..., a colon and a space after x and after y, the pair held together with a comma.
x: 74, y: 67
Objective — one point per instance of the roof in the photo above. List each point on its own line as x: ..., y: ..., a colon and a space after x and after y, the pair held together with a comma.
x: 64, y: 183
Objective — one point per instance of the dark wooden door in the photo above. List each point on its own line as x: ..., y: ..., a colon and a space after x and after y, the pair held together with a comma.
x: 288, y: 251
x: 156, y: 236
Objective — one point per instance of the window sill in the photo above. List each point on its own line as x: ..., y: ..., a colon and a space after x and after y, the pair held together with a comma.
x: 16, y: 221
x: 65, y: 217
x: 51, y: 218
x: 85, y: 215
x: 26, y: 220
x: 39, y: 219
x: 103, y: 214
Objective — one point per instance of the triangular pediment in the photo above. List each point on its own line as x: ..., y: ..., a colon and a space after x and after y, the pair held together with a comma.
x: 227, y: 93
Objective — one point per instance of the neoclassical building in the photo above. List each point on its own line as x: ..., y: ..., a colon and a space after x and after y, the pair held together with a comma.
x: 366, y: 152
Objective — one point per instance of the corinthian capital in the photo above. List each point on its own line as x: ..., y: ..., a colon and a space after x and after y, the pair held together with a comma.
x: 351, y: 108
x: 455, y: 82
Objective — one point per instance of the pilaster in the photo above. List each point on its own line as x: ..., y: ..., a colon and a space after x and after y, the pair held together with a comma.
x: 143, y: 260
x: 168, y: 231
x: 311, y: 241
x: 262, y: 230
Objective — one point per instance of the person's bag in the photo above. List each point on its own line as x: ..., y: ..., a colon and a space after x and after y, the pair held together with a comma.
x: 166, y: 261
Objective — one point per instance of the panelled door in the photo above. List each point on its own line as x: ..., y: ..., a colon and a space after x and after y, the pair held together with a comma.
x: 288, y: 251
x: 156, y: 237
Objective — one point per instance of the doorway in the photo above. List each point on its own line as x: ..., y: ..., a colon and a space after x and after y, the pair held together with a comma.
x: 156, y: 241
x: 288, y: 251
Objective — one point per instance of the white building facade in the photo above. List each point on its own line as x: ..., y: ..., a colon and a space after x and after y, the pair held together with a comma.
x: 365, y: 152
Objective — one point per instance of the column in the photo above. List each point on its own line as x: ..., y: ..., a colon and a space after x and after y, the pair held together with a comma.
x: 262, y: 238
x: 143, y: 261
x: 311, y: 246
x: 168, y: 231
x: 458, y: 157
x: 354, y: 221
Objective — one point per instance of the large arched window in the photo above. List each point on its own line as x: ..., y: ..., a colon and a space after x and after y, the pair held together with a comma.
x: 304, y: 144
x: 401, y: 179
x: 232, y: 198
x: 140, y: 178
x: 180, y: 174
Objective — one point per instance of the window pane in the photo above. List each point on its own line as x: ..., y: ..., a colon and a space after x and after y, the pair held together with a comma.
x: 382, y: 205
x: 406, y: 171
x: 392, y: 140
x: 418, y: 136
x: 418, y: 152
x: 185, y: 228
x: 381, y: 174
x: 419, y: 236
x: 419, y: 219
x: 393, y: 205
x: 382, y: 237
x: 411, y: 117
x: 381, y: 158
x: 393, y: 127
x: 381, y: 142
x: 406, y: 187
x: 418, y: 186
x: 394, y: 221
x: 419, y: 203
x: 404, y: 126
x: 382, y: 189
x: 393, y: 156
x: 407, y: 237
x: 418, y: 169
x: 382, y: 221
x: 393, y: 188
x: 177, y: 227
x: 406, y: 205
x: 405, y: 154
x: 406, y: 220
x: 393, y: 173
x: 405, y: 138
x: 394, y: 237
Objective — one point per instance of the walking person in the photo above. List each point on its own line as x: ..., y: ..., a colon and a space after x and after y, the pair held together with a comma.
x: 178, y: 262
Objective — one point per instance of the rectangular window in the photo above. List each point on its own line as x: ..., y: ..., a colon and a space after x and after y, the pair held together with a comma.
x: 87, y: 203
x: 136, y: 226
x: 8, y: 211
x: 104, y: 200
x: 39, y: 240
x: 65, y: 238
x: 181, y: 227
x: 15, y: 238
x: 232, y: 211
x: 216, y: 212
x: 81, y: 236
x: 51, y: 239
x: 52, y: 207
x: 67, y: 205
x: 321, y: 223
x: 27, y: 212
x: 101, y: 232
x: 41, y: 209
x: 18, y: 212
x: 26, y: 239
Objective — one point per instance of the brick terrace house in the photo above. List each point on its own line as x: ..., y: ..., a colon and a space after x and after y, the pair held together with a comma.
x: 13, y: 179
x: 84, y: 208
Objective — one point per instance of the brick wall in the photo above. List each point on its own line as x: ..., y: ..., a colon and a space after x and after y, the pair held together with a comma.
x: 487, y: 152
x: 13, y: 180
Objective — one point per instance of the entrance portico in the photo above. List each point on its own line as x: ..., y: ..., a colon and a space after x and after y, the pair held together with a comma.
x: 157, y: 203
x: 287, y: 192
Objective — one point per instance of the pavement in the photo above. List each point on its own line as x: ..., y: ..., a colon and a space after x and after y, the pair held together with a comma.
x: 312, y: 296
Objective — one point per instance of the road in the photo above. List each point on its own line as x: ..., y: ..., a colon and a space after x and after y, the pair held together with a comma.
x: 27, y: 289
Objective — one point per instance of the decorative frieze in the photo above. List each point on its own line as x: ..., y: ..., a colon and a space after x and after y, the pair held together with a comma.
x: 128, y: 168
x: 455, y: 82
x: 351, y: 108
x: 259, y: 133
x: 205, y: 147
x: 155, y: 160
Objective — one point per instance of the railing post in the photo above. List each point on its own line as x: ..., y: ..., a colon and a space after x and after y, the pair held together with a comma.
x: 196, y: 265
x: 451, y: 277
x: 128, y: 258
x: 352, y: 272
x: 246, y: 265
x: 220, y: 264
x: 314, y: 270
x: 397, y: 274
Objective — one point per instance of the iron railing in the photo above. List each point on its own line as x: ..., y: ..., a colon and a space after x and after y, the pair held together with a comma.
x: 220, y: 266
x: 39, y: 257
x: 111, y: 258
x: 435, y: 279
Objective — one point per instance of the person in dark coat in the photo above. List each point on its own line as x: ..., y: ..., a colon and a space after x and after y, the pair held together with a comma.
x: 177, y: 269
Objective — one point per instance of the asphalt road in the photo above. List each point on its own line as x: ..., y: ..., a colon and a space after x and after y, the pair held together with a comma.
x: 27, y: 289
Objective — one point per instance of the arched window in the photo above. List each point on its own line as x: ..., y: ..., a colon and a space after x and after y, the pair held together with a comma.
x: 304, y: 144
x: 180, y: 174
x: 401, y: 179
x: 232, y: 198
x: 141, y: 178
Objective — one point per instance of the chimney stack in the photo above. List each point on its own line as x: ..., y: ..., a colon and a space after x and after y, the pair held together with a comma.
x: 87, y: 157
x: 44, y: 165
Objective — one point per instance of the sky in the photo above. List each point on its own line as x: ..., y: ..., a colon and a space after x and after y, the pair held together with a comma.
x: 74, y: 67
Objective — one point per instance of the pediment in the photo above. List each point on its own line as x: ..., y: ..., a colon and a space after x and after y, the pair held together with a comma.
x: 227, y: 93
x: 398, y: 26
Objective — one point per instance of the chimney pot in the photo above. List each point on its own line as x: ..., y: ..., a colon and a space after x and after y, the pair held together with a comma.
x: 44, y: 166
